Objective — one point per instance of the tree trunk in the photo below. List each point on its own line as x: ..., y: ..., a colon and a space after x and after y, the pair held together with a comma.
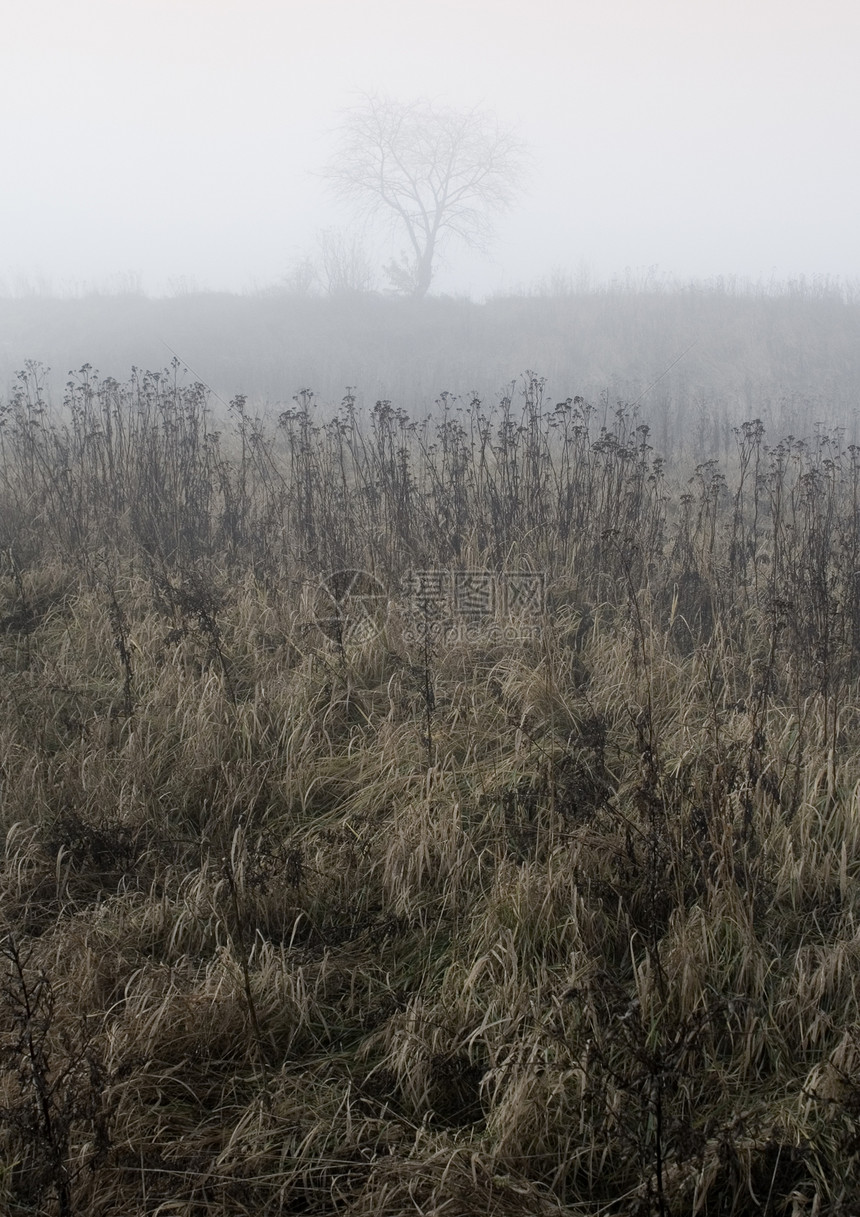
x: 424, y: 271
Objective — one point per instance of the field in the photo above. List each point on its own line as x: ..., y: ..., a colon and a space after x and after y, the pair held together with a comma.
x: 365, y: 899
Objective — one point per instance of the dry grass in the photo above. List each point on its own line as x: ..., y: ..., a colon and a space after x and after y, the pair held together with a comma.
x: 567, y: 925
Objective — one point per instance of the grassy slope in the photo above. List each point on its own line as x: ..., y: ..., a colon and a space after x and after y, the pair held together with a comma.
x: 567, y: 925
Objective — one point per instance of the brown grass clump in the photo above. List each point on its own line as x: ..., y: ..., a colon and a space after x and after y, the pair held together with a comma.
x: 553, y: 914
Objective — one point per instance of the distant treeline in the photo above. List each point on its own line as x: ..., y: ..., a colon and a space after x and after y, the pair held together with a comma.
x: 698, y: 359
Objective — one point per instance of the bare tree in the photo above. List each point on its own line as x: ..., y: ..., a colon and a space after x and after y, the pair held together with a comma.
x: 346, y: 268
x: 431, y: 173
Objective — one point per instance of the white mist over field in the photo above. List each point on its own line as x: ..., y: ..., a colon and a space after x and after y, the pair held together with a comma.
x: 174, y: 144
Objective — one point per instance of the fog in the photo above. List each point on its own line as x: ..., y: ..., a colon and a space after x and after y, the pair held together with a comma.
x: 174, y: 145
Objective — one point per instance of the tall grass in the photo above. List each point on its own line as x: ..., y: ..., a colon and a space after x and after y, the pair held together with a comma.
x: 559, y: 922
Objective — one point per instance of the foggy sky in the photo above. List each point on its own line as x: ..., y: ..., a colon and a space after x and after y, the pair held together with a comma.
x: 176, y: 140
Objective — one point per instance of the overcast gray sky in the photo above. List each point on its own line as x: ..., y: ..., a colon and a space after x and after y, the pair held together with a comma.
x: 176, y: 139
